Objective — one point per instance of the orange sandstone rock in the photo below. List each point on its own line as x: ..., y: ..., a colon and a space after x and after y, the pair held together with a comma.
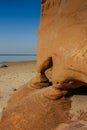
x: 62, y: 45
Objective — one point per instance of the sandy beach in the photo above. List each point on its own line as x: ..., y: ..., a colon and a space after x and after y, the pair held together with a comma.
x: 13, y: 77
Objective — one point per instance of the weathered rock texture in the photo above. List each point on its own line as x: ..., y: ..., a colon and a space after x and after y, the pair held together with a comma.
x: 62, y: 47
x: 28, y: 109
x: 62, y: 43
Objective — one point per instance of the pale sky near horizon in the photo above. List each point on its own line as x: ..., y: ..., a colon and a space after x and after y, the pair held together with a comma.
x: 19, y: 21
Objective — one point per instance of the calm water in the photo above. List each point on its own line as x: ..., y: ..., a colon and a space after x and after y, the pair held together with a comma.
x: 16, y: 57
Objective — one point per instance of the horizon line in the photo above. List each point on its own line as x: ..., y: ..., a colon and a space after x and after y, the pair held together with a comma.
x: 17, y: 54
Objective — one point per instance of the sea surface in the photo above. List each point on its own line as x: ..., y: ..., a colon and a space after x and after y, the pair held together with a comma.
x: 16, y: 57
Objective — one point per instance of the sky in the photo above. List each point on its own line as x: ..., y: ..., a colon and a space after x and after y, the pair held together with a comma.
x: 19, y: 21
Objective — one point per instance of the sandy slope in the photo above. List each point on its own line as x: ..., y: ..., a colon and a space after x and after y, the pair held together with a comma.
x: 12, y: 77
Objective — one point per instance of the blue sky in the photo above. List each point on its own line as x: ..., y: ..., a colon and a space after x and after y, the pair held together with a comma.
x: 19, y: 21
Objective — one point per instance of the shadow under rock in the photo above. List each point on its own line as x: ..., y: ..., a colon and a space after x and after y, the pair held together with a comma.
x: 82, y: 90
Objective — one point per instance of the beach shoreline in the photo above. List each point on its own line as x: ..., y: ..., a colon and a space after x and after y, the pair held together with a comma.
x: 13, y: 77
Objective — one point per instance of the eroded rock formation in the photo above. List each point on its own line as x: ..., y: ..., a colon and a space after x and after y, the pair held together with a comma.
x: 62, y: 49
x: 28, y: 109
x: 62, y: 43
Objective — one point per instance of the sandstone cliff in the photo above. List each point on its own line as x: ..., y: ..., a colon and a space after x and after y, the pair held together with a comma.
x: 62, y: 30
x: 62, y: 46
x: 62, y: 42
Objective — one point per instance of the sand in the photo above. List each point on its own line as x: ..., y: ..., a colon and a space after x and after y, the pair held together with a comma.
x: 13, y: 77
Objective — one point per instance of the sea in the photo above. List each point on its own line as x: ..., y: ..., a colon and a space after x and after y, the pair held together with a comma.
x: 17, y: 57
